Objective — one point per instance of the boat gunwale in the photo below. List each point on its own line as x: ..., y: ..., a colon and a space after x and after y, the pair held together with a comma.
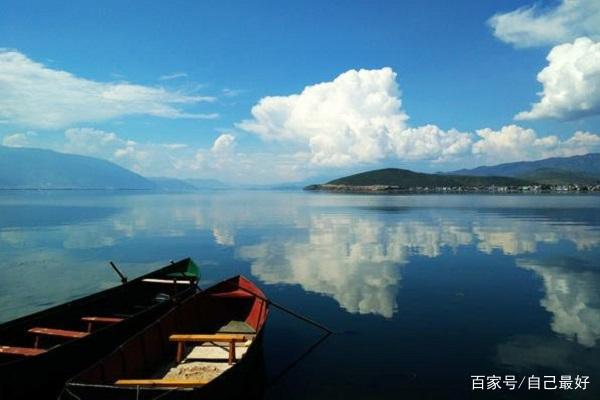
x: 51, y: 310
x: 259, y: 295
x: 82, y: 301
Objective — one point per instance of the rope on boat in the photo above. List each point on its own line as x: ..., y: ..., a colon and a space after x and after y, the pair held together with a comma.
x: 301, y: 317
x: 287, y: 310
x: 66, y: 390
x: 165, y: 393
x: 297, y: 361
x: 310, y: 349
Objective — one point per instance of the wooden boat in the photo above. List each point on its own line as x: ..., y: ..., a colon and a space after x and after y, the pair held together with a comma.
x: 39, y: 352
x: 207, y: 347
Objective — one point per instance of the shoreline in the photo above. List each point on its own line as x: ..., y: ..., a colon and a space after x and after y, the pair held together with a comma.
x: 390, y: 189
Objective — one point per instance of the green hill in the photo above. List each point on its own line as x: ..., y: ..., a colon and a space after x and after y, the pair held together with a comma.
x: 584, y: 169
x: 405, y: 179
x: 556, y: 176
x: 24, y: 168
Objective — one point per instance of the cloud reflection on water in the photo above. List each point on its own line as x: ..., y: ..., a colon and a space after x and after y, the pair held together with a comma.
x: 353, y: 259
x: 525, y: 353
x: 354, y: 255
x: 357, y: 259
x: 572, y: 295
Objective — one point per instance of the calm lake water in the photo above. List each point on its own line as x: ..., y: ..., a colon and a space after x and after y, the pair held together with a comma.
x: 422, y: 291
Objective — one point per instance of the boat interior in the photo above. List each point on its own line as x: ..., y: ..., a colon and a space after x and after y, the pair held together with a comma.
x: 40, y: 332
x: 188, y: 347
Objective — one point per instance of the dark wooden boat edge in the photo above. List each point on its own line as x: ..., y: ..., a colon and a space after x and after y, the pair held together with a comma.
x: 17, y: 368
x: 253, y: 357
x: 90, y: 297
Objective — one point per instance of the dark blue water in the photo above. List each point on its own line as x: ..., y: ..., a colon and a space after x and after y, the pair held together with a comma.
x: 422, y: 291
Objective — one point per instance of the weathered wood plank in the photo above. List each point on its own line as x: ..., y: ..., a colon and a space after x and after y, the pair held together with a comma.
x: 218, y: 337
x: 229, y: 338
x: 21, y: 351
x: 160, y: 382
x: 102, y: 320
x: 58, y: 332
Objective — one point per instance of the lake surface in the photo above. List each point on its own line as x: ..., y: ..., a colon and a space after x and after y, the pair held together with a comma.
x: 422, y: 291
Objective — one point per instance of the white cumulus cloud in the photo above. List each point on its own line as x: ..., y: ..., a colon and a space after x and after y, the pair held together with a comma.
x: 347, y: 120
x: 356, y: 118
x: 431, y: 142
x: 571, y: 82
x: 149, y: 159
x: 537, y: 26
x: 19, y: 139
x: 178, y: 160
x: 515, y: 143
x: 225, y: 143
x: 223, y: 161
x: 34, y: 95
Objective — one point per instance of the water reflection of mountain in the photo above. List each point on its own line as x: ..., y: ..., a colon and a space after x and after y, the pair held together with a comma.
x: 30, y: 215
x: 557, y: 215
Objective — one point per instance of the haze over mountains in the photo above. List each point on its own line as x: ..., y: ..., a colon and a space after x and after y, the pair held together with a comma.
x: 29, y: 168
x: 25, y: 168
x: 583, y: 169
x: 171, y: 184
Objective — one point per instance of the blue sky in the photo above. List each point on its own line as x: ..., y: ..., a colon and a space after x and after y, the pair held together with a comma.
x: 182, y: 77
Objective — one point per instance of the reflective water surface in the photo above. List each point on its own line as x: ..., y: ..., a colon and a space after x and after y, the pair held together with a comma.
x: 422, y: 291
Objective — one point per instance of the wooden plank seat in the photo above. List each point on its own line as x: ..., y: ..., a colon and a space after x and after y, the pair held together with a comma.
x: 172, y: 281
x: 39, y: 332
x: 21, y: 351
x: 100, y: 320
x: 160, y: 382
x: 231, y: 339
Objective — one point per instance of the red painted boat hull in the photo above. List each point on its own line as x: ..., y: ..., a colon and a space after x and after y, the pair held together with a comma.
x: 234, y: 299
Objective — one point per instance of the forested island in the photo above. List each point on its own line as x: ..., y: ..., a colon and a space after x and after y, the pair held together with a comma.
x: 566, y: 174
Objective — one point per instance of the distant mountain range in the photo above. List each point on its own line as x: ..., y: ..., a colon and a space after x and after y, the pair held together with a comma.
x: 22, y: 168
x: 171, y: 184
x: 207, y: 184
x: 583, y: 169
x: 27, y: 168
x: 579, y: 170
